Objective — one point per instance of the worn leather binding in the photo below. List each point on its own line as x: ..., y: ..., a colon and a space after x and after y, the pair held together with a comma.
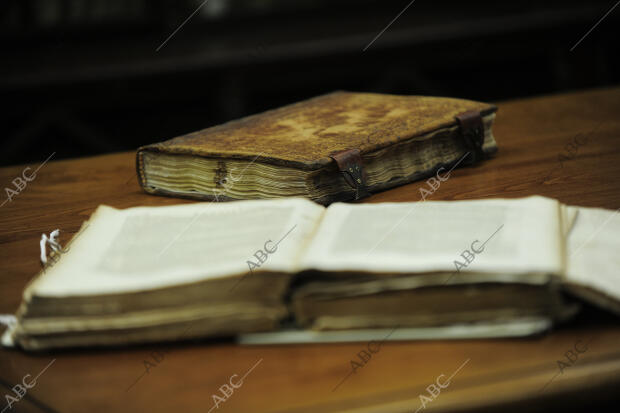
x: 347, y: 145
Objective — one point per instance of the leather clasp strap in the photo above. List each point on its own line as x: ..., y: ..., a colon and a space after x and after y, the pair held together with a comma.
x: 472, y: 130
x: 351, y: 166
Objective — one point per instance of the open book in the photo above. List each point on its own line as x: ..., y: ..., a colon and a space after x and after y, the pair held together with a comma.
x: 221, y: 269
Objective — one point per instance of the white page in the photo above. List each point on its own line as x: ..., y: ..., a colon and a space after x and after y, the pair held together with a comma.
x: 593, y: 248
x: 150, y: 247
x: 525, y: 236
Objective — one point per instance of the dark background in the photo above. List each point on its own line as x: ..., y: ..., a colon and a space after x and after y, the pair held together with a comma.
x: 82, y: 77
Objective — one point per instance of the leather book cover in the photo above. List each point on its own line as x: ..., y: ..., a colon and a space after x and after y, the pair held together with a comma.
x: 310, y: 134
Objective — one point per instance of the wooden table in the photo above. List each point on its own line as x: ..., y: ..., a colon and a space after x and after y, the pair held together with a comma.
x: 511, y: 373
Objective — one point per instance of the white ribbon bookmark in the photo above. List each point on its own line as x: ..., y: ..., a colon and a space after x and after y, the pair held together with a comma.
x: 52, y: 241
x: 8, y: 320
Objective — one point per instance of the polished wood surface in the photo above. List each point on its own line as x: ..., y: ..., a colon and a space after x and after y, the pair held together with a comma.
x: 534, y: 137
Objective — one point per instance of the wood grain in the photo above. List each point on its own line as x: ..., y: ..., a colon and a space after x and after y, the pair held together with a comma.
x: 531, y: 135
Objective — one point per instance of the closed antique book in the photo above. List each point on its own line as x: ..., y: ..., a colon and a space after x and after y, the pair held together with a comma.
x: 336, y: 147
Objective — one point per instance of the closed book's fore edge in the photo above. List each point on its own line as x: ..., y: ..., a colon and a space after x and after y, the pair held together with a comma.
x: 344, y: 196
x: 310, y: 165
x: 140, y: 170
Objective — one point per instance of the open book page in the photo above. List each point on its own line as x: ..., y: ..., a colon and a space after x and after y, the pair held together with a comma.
x: 150, y: 247
x: 568, y: 215
x: 499, y: 235
x: 593, y: 261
